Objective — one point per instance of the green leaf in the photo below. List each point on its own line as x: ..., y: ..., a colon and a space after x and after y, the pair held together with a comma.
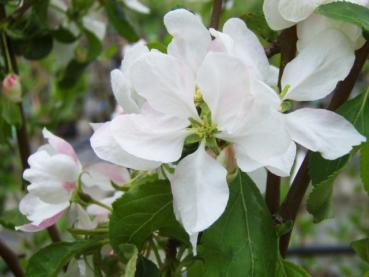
x: 361, y: 247
x: 118, y: 19
x: 145, y: 208
x: 131, y: 264
x: 288, y: 269
x: 243, y: 241
x: 48, y: 261
x: 11, y: 218
x: 323, y: 172
x: 64, y: 35
x: 364, y: 166
x: 35, y: 48
x: 146, y: 268
x: 348, y: 12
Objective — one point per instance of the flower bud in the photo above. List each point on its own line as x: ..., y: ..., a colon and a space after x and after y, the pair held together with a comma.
x: 12, y: 89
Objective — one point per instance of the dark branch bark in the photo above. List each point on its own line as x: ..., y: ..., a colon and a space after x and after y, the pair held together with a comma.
x: 287, y: 46
x: 215, y: 15
x: 295, y: 196
x: 11, y: 259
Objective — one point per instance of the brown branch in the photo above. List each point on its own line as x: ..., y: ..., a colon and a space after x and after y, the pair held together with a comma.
x: 18, y: 12
x: 11, y: 259
x: 287, y: 46
x: 273, y: 49
x: 295, y: 196
x: 23, y: 138
x: 215, y: 15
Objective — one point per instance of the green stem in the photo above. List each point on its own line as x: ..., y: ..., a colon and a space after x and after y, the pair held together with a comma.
x: 88, y: 232
x: 156, y: 253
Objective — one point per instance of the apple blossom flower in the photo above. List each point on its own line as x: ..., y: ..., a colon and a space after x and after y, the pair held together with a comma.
x: 136, y: 6
x: 281, y: 14
x: 312, y: 75
x: 169, y: 84
x: 53, y: 173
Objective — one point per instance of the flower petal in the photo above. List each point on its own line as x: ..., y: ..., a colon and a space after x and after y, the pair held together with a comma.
x: 200, y: 191
x: 223, y: 81
x: 297, y: 10
x: 273, y: 16
x: 248, y: 48
x: 59, y: 144
x: 106, y: 148
x: 166, y: 83
x: 317, y: 69
x: 282, y: 165
x: 102, y: 174
x: 312, y: 26
x: 38, y: 211
x: 191, y: 39
x: 151, y: 135
x: 323, y: 131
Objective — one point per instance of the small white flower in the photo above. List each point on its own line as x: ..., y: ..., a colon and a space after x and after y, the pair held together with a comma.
x: 53, y: 173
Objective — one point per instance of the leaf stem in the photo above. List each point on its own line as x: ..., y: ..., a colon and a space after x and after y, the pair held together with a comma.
x: 11, y: 259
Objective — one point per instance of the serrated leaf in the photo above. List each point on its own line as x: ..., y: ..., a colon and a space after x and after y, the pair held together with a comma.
x: 348, y: 12
x: 288, y: 269
x: 48, y: 261
x: 361, y: 247
x: 145, y: 208
x: 324, y: 172
x: 364, y: 166
x: 319, y: 203
x: 119, y: 20
x: 243, y: 241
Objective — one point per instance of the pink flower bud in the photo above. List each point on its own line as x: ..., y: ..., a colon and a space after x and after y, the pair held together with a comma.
x: 12, y: 89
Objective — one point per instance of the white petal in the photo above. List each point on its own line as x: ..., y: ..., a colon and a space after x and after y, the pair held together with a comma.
x: 200, y: 191
x: 248, y: 48
x: 224, y: 82
x: 102, y: 174
x: 106, y: 148
x: 323, y: 131
x: 131, y: 53
x: 151, y: 136
x: 123, y: 91
x: 245, y: 163
x: 191, y: 39
x: 259, y: 177
x: 97, y: 210
x: 309, y: 28
x: 261, y: 135
x: 317, y: 69
x: 282, y: 165
x: 167, y: 84
x: 297, y: 10
x: 38, y: 211
x: 59, y: 144
x: 137, y: 6
x: 80, y: 218
x: 273, y: 16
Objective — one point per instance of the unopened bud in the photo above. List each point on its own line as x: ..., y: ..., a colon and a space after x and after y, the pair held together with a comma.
x: 12, y: 89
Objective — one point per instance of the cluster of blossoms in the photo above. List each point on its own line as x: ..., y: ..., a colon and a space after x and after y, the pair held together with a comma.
x: 216, y: 90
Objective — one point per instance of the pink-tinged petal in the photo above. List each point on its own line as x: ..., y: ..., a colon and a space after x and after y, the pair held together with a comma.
x: 43, y: 225
x: 107, y: 148
x: 102, y: 174
x: 37, y: 211
x: 60, y: 145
